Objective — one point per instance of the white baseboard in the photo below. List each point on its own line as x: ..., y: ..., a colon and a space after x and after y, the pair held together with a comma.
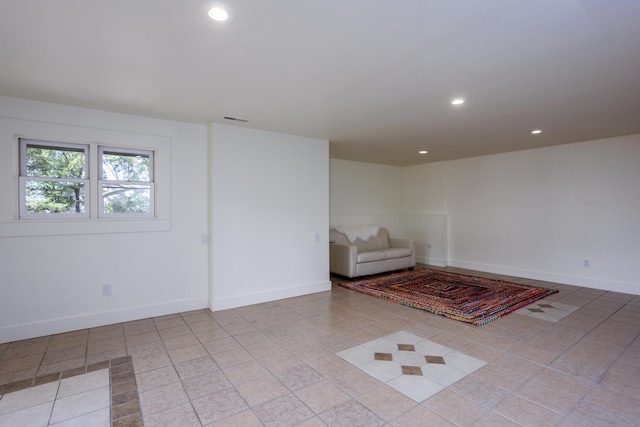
x: 587, y: 282
x: 431, y: 261
x: 272, y: 295
x: 92, y: 320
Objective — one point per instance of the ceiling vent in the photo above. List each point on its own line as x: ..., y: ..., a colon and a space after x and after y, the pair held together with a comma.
x: 235, y: 119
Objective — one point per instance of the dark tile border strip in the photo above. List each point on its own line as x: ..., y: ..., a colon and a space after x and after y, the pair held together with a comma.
x: 125, y: 403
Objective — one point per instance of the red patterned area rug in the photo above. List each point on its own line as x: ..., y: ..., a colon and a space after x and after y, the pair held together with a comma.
x: 466, y: 298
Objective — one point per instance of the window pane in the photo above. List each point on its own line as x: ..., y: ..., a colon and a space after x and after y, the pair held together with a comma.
x: 54, y: 197
x: 126, y: 167
x: 123, y: 198
x: 55, y: 162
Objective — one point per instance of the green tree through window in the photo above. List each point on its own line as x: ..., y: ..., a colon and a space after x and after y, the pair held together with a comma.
x: 126, y: 182
x: 55, y: 181
x: 55, y: 178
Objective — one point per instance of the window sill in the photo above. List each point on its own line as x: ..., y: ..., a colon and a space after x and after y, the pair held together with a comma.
x: 71, y: 227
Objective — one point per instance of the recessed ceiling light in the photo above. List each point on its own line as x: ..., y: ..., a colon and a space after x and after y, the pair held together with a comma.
x: 218, y: 14
x: 423, y: 152
x: 536, y: 131
x: 220, y: 11
x: 457, y: 101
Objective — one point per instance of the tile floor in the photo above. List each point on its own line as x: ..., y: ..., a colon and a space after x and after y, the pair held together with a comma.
x: 575, y: 363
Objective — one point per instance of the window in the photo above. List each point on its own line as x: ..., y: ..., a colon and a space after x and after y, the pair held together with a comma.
x: 56, y: 183
x: 126, y: 182
x: 53, y: 180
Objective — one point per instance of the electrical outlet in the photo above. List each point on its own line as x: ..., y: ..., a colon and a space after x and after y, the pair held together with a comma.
x: 106, y: 289
x: 586, y: 263
x: 316, y: 237
x: 429, y: 246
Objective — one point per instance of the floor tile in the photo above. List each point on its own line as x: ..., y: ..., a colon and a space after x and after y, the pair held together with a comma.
x: 548, y: 397
x: 386, y: 402
x: 526, y: 413
x: 80, y: 404
x: 351, y: 414
x: 99, y: 418
x: 591, y: 415
x: 302, y: 361
x: 479, y: 391
x: 196, y: 367
x: 624, y: 405
x: 82, y: 383
x: 240, y: 374
x: 262, y: 389
x: 203, y: 385
x: 417, y: 388
x: 28, y: 397
x: 185, y: 354
x: 242, y: 419
x: 161, y: 398
x: 151, y: 362
x: 355, y: 381
x: 32, y: 416
x: 283, y: 411
x: 493, y: 419
x: 298, y: 376
x: 157, y: 378
x: 420, y: 416
x: 321, y: 396
x: 180, y: 415
x: 454, y: 407
x: 499, y: 377
x: 232, y: 357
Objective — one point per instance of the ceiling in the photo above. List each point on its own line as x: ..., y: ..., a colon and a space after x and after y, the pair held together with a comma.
x: 373, y: 77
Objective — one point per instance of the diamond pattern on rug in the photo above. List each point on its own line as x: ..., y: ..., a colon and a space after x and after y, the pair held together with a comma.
x: 550, y: 311
x: 416, y: 367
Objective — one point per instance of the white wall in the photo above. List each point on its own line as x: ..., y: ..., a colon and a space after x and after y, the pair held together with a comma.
x: 536, y: 213
x: 52, y: 271
x: 540, y: 213
x: 425, y: 218
x: 366, y: 193
x: 270, y: 197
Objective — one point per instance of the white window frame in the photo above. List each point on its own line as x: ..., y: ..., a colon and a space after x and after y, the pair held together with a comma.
x: 150, y: 184
x: 92, y: 181
x: 23, y: 179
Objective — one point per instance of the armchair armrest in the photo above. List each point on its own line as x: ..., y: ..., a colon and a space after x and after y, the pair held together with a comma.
x: 402, y: 243
x: 405, y: 243
x: 343, y: 259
